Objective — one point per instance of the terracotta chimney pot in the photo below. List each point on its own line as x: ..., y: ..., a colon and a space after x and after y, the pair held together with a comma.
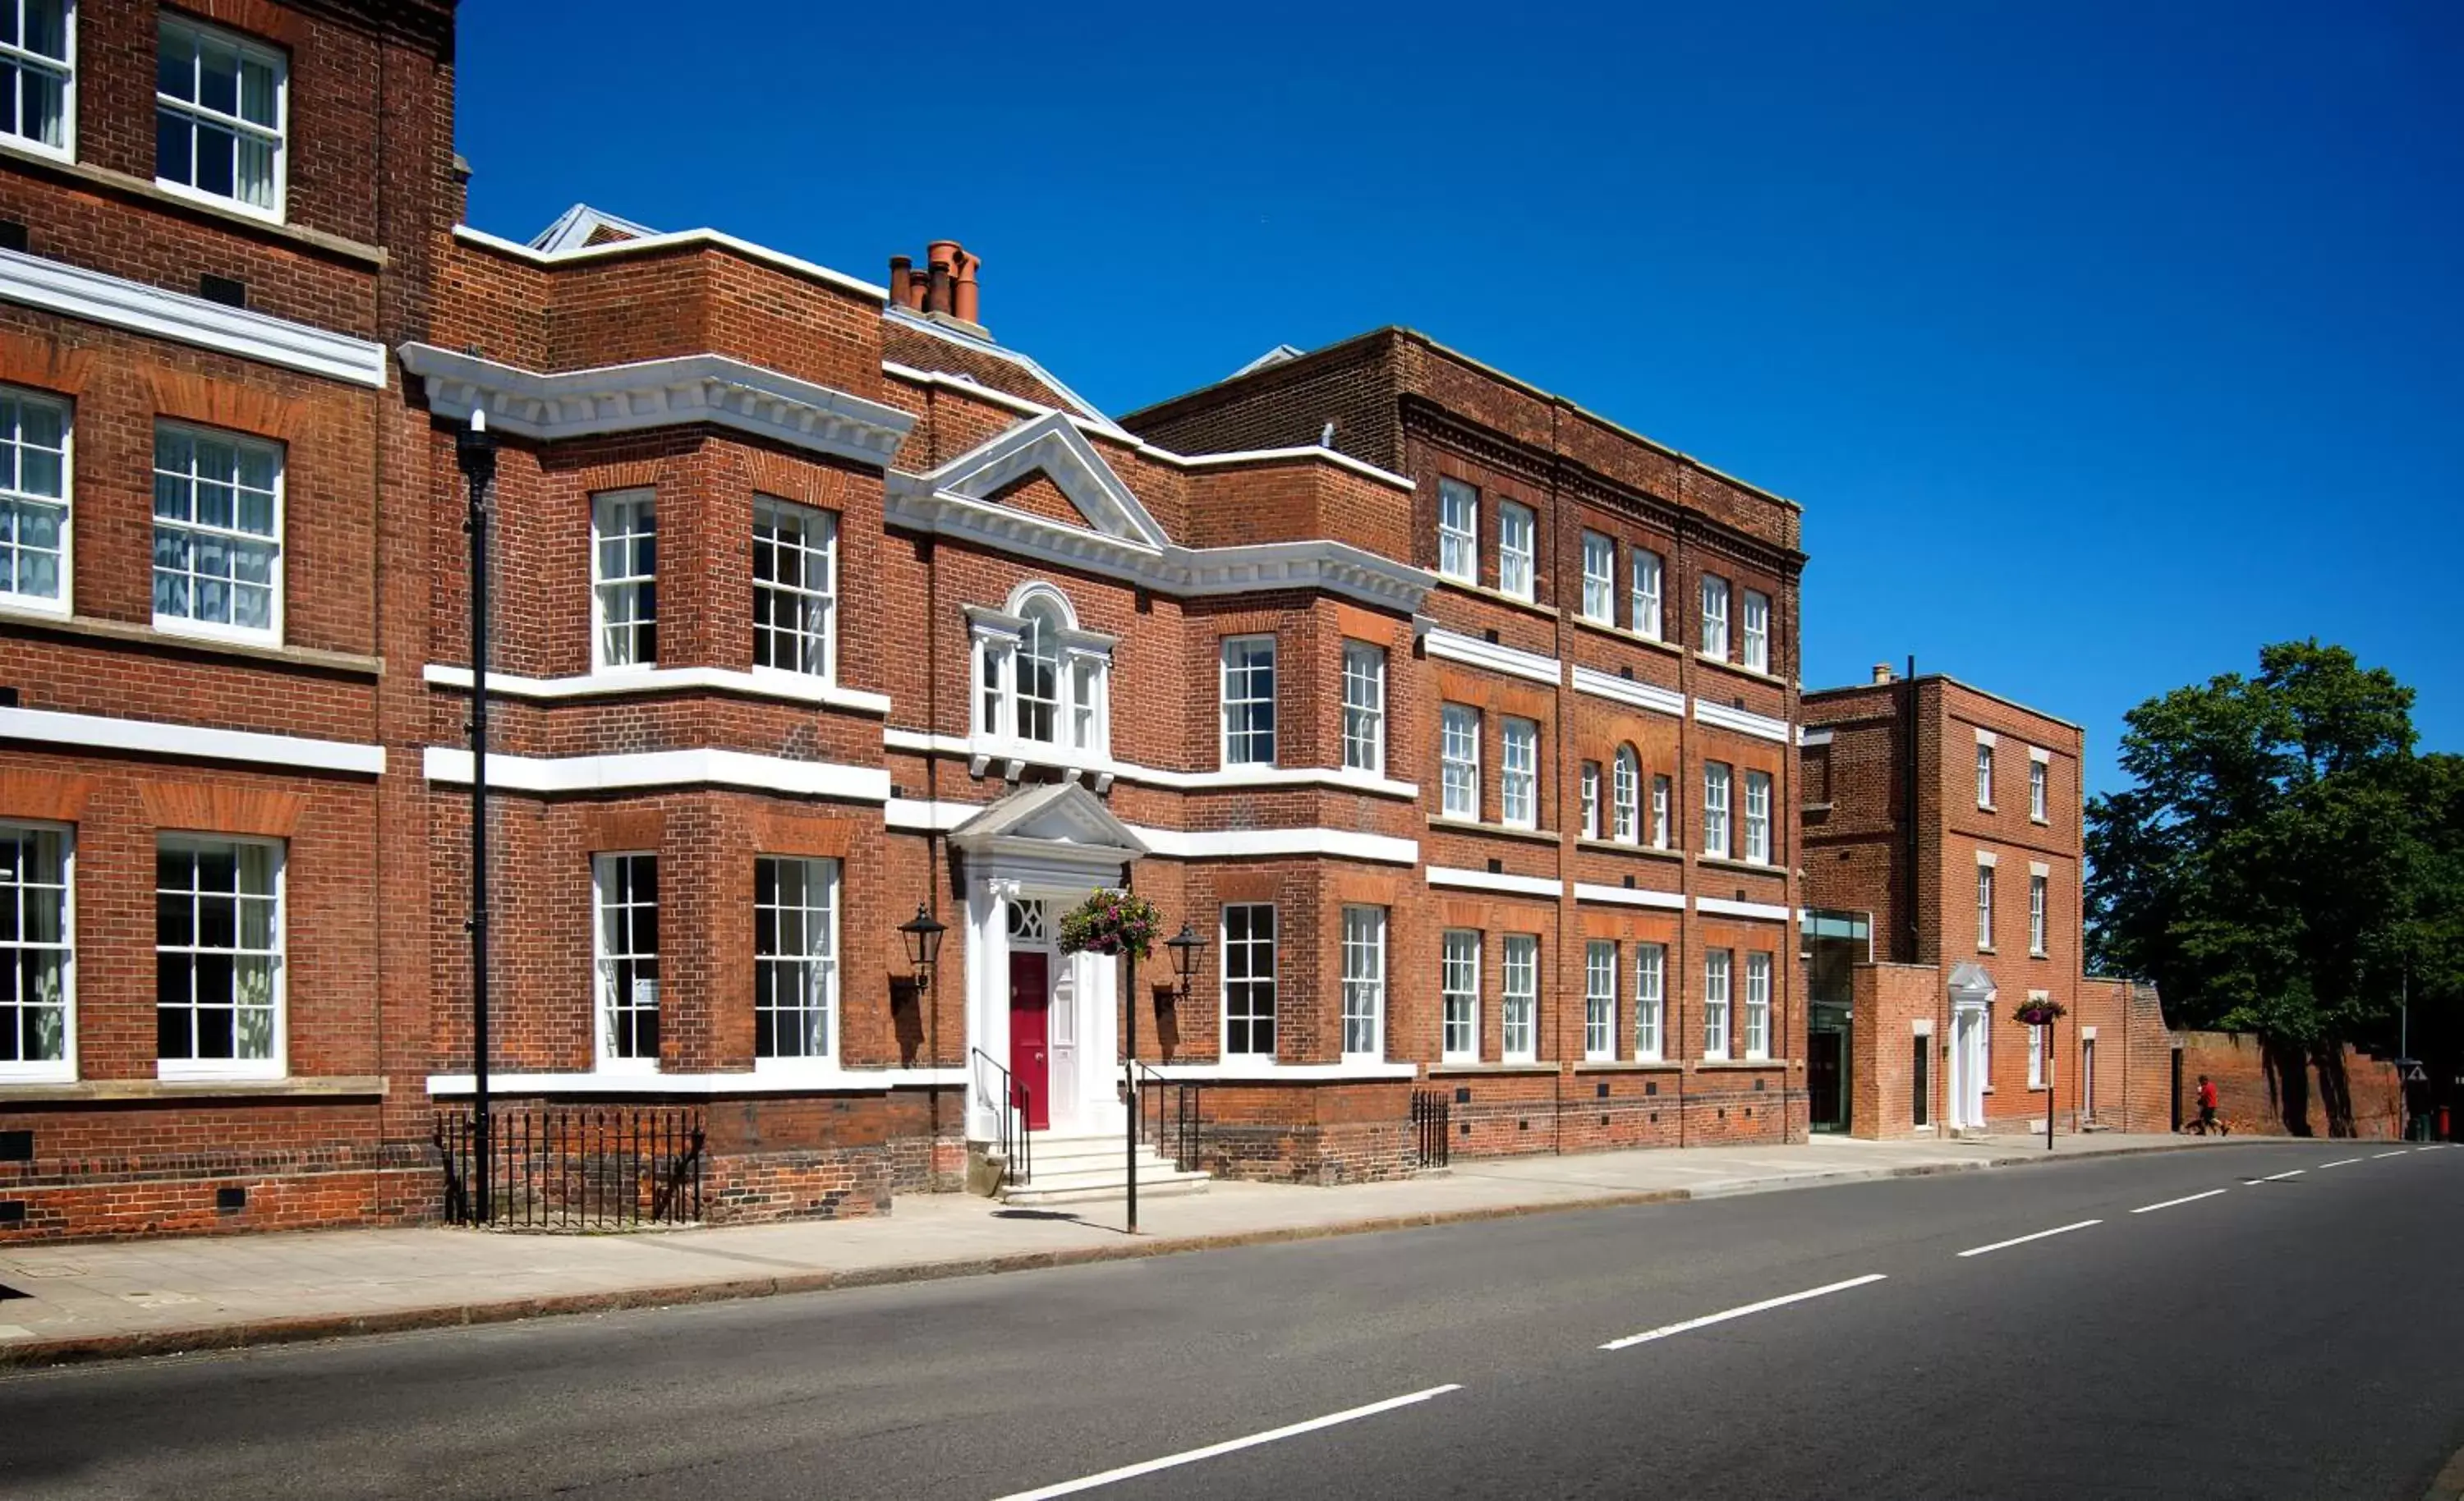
x: 1882, y: 672
x: 966, y: 298
x: 936, y: 295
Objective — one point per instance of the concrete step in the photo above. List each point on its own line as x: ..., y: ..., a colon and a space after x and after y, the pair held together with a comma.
x: 1161, y: 1182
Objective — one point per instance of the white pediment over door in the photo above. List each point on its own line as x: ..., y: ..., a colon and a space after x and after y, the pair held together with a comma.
x: 1059, y: 819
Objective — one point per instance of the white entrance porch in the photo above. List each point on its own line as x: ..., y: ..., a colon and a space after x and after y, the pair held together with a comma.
x: 1972, y: 1012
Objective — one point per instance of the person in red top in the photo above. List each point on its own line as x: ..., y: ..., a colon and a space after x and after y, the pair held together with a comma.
x: 2207, y: 1121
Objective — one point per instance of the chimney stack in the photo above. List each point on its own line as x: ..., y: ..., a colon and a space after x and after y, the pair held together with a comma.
x: 1882, y: 672
x: 945, y: 286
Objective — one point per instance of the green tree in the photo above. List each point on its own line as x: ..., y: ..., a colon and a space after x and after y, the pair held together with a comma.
x: 2272, y: 867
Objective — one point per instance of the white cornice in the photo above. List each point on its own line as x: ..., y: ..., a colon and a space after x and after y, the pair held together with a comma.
x: 1741, y: 721
x: 683, y: 238
x: 1313, y: 452
x: 1626, y: 896
x: 1722, y: 906
x: 1492, y: 881
x: 816, y: 1080
x: 659, y: 393
x: 189, y: 742
x: 1491, y: 657
x: 549, y: 776
x: 1812, y: 737
x: 120, y: 303
x: 1035, y: 752
x: 918, y: 815
x: 1626, y: 690
x: 1267, y: 1072
x: 795, y: 687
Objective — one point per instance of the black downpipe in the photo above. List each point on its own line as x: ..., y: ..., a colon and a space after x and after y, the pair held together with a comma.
x: 1910, y: 951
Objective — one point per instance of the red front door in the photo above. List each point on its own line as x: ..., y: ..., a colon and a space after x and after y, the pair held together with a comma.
x: 1031, y: 1020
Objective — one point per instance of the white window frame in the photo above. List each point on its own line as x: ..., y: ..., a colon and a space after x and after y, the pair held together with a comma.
x: 1755, y: 617
x: 17, y: 500
x: 604, y: 995
x: 1650, y: 1001
x: 1599, y: 579
x: 277, y: 137
x: 1715, y: 618
x: 1518, y: 1019
x: 1082, y: 678
x: 232, y: 535
x: 1459, y: 761
x: 1716, y: 783
x: 1984, y: 775
x: 1458, y: 530
x: 2036, y: 1048
x: 1459, y: 995
x: 1518, y: 550
x: 1518, y: 774
x: 1758, y: 1005
x: 277, y: 1061
x: 1253, y: 987
x: 1038, y: 655
x: 1587, y: 789
x: 2037, y: 885
x: 1758, y: 825
x: 2038, y: 778
x: 1625, y: 793
x: 24, y: 58
x: 14, y: 952
x: 1663, y: 833
x: 816, y: 968
x: 1240, y: 745
x: 1648, y: 569
x: 813, y: 631
x: 1364, y: 984
x: 1984, y: 908
x: 1600, y: 999
x: 1364, y: 707
x: 1718, y: 968
x: 612, y: 514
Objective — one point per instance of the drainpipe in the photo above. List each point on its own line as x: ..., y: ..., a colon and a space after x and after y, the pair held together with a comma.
x: 1908, y: 789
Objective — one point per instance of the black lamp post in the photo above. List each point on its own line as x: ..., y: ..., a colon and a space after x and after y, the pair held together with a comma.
x: 475, y: 451
x: 922, y: 935
x: 1184, y: 946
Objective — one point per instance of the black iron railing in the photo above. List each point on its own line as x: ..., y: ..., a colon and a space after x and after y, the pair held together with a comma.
x: 1432, y: 1116
x: 1172, y: 1106
x: 594, y: 1168
x: 1016, y: 1107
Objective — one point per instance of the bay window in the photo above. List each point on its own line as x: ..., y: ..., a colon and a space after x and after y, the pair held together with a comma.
x: 1250, y: 701
x: 795, y: 960
x: 1249, y: 980
x: 1364, y: 707
x: 625, y: 579
x: 1364, y: 983
x: 795, y: 587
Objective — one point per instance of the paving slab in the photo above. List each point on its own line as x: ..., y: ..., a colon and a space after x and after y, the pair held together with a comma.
x: 88, y: 1300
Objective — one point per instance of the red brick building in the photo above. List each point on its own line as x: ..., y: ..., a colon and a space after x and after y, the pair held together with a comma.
x: 1943, y: 862
x: 1460, y: 734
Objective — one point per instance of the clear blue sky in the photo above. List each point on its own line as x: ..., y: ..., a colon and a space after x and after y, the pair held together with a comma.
x: 2101, y: 342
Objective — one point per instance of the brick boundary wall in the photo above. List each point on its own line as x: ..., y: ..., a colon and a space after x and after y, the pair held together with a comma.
x: 2252, y: 1088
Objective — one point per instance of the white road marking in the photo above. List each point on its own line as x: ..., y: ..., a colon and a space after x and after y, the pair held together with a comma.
x: 2281, y: 1177
x: 1665, y: 1329
x: 1229, y: 1445
x: 2340, y: 1162
x: 2150, y: 1208
x: 2398, y: 1152
x: 2004, y: 1245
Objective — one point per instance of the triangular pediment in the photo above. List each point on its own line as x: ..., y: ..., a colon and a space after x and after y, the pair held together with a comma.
x: 1051, y: 446
x: 1054, y: 814
x: 1969, y: 978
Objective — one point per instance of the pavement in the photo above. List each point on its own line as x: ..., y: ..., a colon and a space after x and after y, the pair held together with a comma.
x: 2265, y: 1320
x: 93, y: 1300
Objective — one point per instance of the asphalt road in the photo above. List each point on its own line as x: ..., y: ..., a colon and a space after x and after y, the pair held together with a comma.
x: 2299, y: 1336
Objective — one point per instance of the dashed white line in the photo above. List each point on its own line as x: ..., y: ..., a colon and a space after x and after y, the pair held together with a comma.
x: 1228, y: 1447
x: 2150, y: 1208
x: 1665, y: 1329
x: 2281, y: 1177
x: 2340, y: 1162
x: 2021, y: 1240
x: 2398, y: 1152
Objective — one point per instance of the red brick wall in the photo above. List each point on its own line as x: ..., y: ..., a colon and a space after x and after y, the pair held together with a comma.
x: 2278, y: 1093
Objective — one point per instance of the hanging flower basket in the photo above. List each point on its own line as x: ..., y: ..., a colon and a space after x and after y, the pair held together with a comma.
x: 2040, y: 1013
x: 1112, y: 923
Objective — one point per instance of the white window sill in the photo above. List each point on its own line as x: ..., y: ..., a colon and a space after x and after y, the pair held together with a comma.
x: 1655, y: 1064
x: 63, y: 1073
x: 226, y: 203
x: 1987, y: 808
x: 607, y: 1081
x: 1727, y: 664
x: 1511, y: 831
x: 1738, y: 1063
x: 1731, y: 863
x: 219, y: 1072
x: 1239, y: 1069
x: 607, y: 682
x: 33, y: 605
x: 1473, y: 1066
x: 1985, y: 948
x: 206, y: 631
x: 27, y: 145
x: 2041, y: 823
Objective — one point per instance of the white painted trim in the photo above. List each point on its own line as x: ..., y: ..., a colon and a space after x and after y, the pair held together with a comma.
x: 585, y: 773
x: 1921, y: 1026
x: 658, y: 393
x: 918, y: 815
x: 1341, y: 461
x: 190, y: 741
x: 2039, y: 868
x: 2040, y: 754
x: 1723, y: 907
x: 119, y: 303
x: 1987, y: 857
x: 1626, y: 690
x: 1638, y: 896
x: 674, y: 239
x: 1036, y: 753
x: 1745, y: 723
x: 1487, y: 880
x: 793, y: 687
x: 1812, y: 737
x: 908, y: 319
x: 1267, y: 1072
x: 1986, y: 737
x: 796, y: 1081
x: 1491, y: 657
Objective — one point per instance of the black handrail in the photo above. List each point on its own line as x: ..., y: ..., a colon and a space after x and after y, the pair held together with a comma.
x: 1016, y: 1139
x: 1184, y: 1098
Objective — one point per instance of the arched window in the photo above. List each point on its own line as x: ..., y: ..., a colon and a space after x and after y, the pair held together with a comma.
x: 1039, y: 677
x: 1626, y: 796
x: 1039, y: 672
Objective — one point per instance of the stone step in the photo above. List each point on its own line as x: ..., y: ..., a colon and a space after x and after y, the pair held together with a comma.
x: 1086, y: 1188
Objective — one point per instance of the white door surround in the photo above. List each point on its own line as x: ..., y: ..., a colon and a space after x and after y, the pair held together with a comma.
x: 1050, y: 844
x: 1972, y: 1013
